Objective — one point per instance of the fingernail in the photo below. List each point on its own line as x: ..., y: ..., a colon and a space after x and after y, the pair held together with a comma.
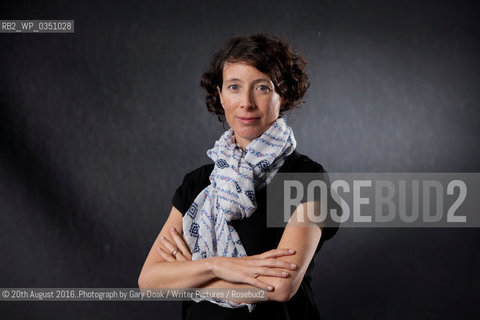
x: 291, y: 251
x: 162, y: 237
x: 293, y: 266
x: 172, y: 229
x: 285, y: 274
x: 270, y: 288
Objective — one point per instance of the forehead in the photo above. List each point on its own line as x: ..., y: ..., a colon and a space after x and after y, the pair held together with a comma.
x: 242, y: 71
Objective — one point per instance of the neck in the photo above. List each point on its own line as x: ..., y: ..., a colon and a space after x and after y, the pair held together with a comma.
x: 242, y: 142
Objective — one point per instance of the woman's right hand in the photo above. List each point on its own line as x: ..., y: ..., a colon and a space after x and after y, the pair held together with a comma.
x: 248, y: 269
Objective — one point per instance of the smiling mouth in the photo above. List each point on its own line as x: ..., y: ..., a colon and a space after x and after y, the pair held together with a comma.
x: 248, y: 120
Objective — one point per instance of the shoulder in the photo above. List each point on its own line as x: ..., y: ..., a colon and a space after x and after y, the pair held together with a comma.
x: 297, y: 162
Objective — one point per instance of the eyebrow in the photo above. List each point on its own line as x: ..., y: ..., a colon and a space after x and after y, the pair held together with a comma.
x: 254, y: 81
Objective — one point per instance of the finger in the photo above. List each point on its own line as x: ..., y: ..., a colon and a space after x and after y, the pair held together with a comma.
x: 271, y: 272
x: 177, y: 257
x: 259, y: 284
x: 180, y: 257
x: 272, y: 263
x: 181, y: 245
x: 171, y: 248
x: 280, y: 264
x: 166, y: 256
x: 188, y: 256
x: 276, y: 253
x: 168, y: 244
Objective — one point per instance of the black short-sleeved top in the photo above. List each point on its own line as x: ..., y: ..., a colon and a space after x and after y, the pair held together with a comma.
x: 256, y: 238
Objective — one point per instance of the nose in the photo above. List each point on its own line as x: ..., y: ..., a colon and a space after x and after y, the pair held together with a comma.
x: 247, y: 100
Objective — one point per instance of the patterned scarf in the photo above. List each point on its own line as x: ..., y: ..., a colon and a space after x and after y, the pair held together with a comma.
x: 231, y: 194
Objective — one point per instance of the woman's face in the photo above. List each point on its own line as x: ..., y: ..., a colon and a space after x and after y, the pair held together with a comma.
x: 249, y: 99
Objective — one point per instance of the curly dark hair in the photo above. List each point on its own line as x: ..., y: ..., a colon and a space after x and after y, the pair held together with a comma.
x: 270, y: 55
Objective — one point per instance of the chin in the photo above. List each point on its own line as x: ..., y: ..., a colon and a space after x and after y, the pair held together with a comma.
x: 249, y: 133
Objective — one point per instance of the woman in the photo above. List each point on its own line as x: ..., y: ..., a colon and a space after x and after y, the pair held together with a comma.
x: 216, y: 235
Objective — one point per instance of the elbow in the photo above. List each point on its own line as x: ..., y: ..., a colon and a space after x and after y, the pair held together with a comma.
x: 143, y: 281
x: 283, y: 291
x: 150, y: 278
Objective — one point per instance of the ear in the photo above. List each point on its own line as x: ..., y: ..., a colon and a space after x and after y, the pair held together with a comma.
x: 220, y: 95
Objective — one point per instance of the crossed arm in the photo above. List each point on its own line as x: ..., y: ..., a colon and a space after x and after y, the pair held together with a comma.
x: 279, y: 271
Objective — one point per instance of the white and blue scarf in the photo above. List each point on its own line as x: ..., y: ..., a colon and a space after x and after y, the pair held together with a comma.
x: 231, y: 194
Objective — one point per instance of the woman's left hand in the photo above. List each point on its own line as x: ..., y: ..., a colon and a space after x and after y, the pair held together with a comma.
x: 176, y: 250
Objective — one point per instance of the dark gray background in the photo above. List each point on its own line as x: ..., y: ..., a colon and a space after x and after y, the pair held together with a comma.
x: 97, y: 129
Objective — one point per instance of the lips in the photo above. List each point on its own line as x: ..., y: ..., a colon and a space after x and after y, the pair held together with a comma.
x: 248, y: 120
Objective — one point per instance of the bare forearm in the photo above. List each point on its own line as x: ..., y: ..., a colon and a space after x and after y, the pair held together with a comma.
x: 178, y: 274
x: 304, y: 240
x: 277, y: 294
